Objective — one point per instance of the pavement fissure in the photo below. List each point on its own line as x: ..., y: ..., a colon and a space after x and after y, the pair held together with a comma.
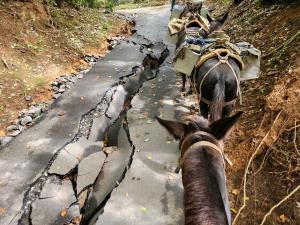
x: 131, y: 84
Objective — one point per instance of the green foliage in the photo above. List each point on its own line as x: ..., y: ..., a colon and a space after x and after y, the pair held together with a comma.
x: 109, y: 5
x: 272, y: 2
x: 77, y: 3
x: 131, y: 4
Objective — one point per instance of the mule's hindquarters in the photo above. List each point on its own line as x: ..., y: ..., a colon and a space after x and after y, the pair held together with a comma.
x: 217, y: 86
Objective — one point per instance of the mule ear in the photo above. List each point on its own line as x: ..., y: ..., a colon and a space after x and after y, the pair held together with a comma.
x: 209, y: 18
x: 174, y: 127
x: 221, y: 21
x: 200, y: 6
x: 221, y: 128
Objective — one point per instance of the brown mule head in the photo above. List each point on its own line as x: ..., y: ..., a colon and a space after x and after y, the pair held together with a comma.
x: 180, y: 130
x: 203, y: 175
x: 216, y: 25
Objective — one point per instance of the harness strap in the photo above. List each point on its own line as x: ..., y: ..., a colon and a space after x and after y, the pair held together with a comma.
x: 216, y: 146
x: 207, y: 144
x: 221, y: 178
x: 222, y: 60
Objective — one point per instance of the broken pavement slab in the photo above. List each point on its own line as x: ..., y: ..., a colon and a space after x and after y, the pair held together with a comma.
x: 69, y: 157
x: 63, y: 164
x: 89, y: 169
x: 83, y: 148
x: 115, y: 165
x: 52, y: 206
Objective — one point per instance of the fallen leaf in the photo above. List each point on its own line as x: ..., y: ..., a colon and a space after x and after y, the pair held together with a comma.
x: 2, y: 133
x: 76, y: 220
x: 149, y: 157
x: 63, y: 213
x: 2, y: 211
x: 168, y: 142
x: 143, y: 209
x: 146, y: 140
x: 82, y: 98
x: 61, y: 113
x: 282, y: 218
x: 235, y: 192
x: 233, y: 210
x: 126, y: 194
x: 149, y: 121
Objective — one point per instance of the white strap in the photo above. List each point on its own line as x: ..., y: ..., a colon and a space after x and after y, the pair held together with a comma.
x: 221, y: 60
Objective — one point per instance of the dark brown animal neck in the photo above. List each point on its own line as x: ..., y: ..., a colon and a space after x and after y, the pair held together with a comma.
x: 203, y: 201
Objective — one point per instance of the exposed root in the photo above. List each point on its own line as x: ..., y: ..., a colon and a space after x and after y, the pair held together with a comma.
x: 247, y: 171
x: 285, y: 44
x: 279, y: 203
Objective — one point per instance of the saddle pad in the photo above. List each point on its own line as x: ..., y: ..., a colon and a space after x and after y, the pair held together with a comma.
x: 186, y: 59
x: 251, y: 57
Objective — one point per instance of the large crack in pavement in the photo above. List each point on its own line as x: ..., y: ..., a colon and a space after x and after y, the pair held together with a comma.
x: 78, y: 180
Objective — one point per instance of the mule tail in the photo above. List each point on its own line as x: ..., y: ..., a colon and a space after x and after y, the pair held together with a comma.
x: 218, y: 100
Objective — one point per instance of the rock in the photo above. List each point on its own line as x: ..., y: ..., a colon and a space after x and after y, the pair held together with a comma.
x: 54, y: 83
x: 69, y: 84
x: 61, y: 80
x: 79, y: 76
x: 89, y: 169
x: 62, y: 88
x: 14, y: 133
x: 12, y: 128
x: 45, y: 106
x: 63, y: 164
x: 33, y: 111
x: 53, y: 206
x: 5, y: 140
x: 28, y: 98
x: 27, y: 120
x: 55, y: 88
x: 73, y: 79
x: 56, y: 96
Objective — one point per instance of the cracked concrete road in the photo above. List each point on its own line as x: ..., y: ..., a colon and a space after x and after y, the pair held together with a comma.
x: 151, y: 193
x: 132, y: 180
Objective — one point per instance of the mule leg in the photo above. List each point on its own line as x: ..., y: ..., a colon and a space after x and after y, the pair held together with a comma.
x: 183, y: 82
x: 190, y: 91
x: 227, y: 110
x: 204, y: 109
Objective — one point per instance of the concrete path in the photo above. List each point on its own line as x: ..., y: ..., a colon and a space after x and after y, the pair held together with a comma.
x: 95, y: 159
x: 151, y: 193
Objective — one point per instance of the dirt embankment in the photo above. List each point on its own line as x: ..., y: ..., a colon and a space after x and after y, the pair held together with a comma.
x: 270, y: 124
x: 39, y: 42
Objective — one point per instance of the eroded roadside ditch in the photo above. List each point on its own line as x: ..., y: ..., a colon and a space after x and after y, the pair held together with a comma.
x: 80, y: 177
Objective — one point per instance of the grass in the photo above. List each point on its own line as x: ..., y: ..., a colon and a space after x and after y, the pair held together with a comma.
x: 85, y: 27
x: 149, y: 3
x: 39, y: 82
